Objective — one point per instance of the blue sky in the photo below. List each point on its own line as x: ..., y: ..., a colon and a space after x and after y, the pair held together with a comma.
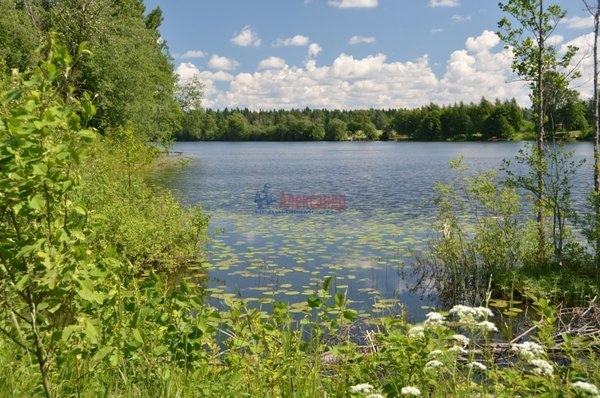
x: 348, y: 54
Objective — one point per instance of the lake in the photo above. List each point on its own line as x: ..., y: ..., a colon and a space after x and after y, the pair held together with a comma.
x: 281, y: 253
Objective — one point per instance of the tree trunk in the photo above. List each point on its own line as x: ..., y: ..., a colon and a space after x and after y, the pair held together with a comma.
x: 596, y: 136
x: 540, y: 140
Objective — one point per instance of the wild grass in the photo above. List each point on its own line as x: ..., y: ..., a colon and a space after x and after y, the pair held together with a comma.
x: 256, y: 354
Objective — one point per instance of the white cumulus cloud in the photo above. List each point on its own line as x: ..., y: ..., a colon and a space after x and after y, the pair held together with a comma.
x: 247, y: 37
x: 361, y: 39
x: 272, y: 63
x: 222, y: 63
x: 583, y: 62
x: 354, y: 3
x: 314, y: 49
x: 579, y: 22
x: 346, y: 67
x: 444, y: 3
x: 484, y: 42
x: 482, y: 68
x: 555, y: 40
x: 192, y: 54
x: 298, y: 41
x: 186, y: 71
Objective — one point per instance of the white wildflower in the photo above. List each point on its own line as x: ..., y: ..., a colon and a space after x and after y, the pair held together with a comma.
x: 487, y: 326
x: 410, y: 390
x: 477, y: 365
x: 586, y: 387
x: 435, y: 317
x: 435, y: 353
x: 361, y: 388
x: 375, y: 396
x: 433, y: 364
x: 528, y: 349
x: 464, y: 340
x: 416, y: 332
x: 455, y: 349
x: 466, y: 313
x: 541, y: 367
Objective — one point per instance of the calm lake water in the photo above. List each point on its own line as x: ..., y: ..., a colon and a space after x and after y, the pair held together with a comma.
x: 367, y: 249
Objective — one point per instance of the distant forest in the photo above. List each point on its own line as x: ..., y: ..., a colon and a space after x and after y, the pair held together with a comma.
x: 486, y: 120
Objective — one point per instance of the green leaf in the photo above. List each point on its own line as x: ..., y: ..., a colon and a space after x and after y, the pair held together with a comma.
x: 87, y: 292
x: 20, y: 285
x: 498, y: 303
x: 90, y: 331
x: 137, y: 336
x: 37, y: 202
x: 160, y: 350
x: 314, y: 302
x: 88, y: 110
x: 136, y: 341
x: 350, y: 315
x: 102, y: 353
x: 55, y: 308
x: 17, y: 208
x: 27, y: 250
x: 185, y: 288
x: 67, y: 332
x: 12, y: 95
x: 339, y: 299
x: 79, y: 210
x: 327, y: 283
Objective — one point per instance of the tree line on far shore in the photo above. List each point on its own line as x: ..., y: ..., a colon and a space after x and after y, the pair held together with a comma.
x: 486, y: 120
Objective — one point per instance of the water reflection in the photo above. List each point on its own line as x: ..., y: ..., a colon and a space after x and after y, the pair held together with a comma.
x: 365, y: 249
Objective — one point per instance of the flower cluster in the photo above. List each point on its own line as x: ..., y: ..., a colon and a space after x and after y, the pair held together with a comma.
x: 458, y: 350
x: 417, y: 332
x: 435, y: 353
x: 587, y: 388
x: 435, y: 317
x: 433, y: 364
x: 363, y: 388
x: 466, y: 313
x: 366, y: 390
x: 528, y: 350
x: 464, y: 340
x: 474, y: 318
x: 476, y: 365
x: 412, y: 391
x: 541, y: 367
x: 487, y: 326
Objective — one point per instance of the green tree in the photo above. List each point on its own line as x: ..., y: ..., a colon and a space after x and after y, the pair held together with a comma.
x: 497, y: 125
x: 430, y: 127
x: 49, y: 282
x: 237, y: 126
x: 336, y: 130
x: 191, y: 127
x: 533, y: 58
x: 558, y: 98
x: 572, y: 115
x: 361, y: 125
x: 127, y: 66
x: 18, y: 37
x: 189, y: 94
x: 480, y: 113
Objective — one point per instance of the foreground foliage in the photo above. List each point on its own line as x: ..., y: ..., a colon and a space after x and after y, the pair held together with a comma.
x: 72, y: 302
x: 242, y: 351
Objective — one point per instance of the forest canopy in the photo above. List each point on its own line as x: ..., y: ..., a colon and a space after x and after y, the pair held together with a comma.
x: 486, y: 120
x: 117, y: 54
